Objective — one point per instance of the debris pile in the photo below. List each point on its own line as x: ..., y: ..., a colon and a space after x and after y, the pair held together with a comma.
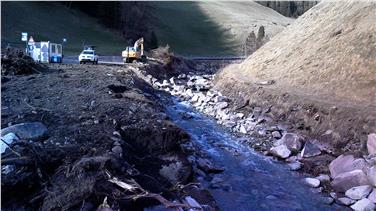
x: 16, y: 62
x: 168, y: 63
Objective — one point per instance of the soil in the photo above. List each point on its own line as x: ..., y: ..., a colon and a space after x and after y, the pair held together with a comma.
x: 104, y: 124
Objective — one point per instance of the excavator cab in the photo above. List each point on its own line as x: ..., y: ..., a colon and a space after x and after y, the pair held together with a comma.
x: 135, y: 53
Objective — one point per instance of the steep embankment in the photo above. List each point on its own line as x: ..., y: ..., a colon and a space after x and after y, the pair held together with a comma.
x: 213, y: 28
x: 52, y: 21
x: 325, y: 58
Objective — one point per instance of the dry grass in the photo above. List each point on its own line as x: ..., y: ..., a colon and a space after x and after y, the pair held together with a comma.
x: 328, y: 54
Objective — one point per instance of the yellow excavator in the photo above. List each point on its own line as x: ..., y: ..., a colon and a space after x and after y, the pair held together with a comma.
x: 135, y: 53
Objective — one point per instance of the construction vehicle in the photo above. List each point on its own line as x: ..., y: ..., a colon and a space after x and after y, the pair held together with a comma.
x: 135, y: 53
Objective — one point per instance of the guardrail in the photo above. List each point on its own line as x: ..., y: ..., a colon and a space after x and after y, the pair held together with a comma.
x: 119, y: 59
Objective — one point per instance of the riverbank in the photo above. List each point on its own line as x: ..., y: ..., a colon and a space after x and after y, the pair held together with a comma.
x: 89, y: 136
x: 258, y: 126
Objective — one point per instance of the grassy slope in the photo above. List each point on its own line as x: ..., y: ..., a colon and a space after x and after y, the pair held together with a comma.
x: 188, y: 30
x: 327, y: 53
x: 213, y: 28
x: 52, y: 21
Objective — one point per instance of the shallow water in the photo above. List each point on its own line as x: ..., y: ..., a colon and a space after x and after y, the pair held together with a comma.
x: 253, y: 181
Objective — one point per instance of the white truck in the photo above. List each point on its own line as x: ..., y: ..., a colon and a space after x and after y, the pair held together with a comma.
x: 88, y: 56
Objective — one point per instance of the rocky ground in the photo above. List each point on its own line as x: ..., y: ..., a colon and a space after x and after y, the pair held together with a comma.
x: 328, y: 171
x: 87, y: 137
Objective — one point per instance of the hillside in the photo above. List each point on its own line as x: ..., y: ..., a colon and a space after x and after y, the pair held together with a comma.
x: 213, y: 28
x: 52, y: 21
x: 205, y: 29
x: 318, y: 74
x: 329, y: 51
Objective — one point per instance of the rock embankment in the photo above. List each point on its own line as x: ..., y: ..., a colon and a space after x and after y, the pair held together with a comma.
x: 349, y: 179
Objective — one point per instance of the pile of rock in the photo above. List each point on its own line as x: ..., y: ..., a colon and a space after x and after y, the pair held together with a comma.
x: 354, y: 179
x: 198, y: 91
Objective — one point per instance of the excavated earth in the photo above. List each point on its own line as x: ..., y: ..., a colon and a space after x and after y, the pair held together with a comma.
x: 83, y: 161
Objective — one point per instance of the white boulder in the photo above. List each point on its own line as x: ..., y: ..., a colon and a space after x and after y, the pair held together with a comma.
x: 358, y: 192
x: 371, y: 143
x: 371, y: 174
x: 346, y: 201
x: 280, y: 151
x: 347, y: 180
x: 292, y: 141
x: 372, y: 196
x: 312, y: 182
x: 364, y: 205
x: 346, y: 163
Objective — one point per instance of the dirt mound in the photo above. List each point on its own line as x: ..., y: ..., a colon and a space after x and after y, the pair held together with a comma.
x: 16, y: 62
x: 318, y: 75
x: 328, y: 53
x: 166, y: 64
x: 169, y: 60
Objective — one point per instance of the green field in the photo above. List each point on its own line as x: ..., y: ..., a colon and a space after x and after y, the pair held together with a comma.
x: 51, y: 21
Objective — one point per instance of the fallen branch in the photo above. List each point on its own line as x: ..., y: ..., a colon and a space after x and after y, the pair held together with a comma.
x: 132, y: 186
x: 123, y: 185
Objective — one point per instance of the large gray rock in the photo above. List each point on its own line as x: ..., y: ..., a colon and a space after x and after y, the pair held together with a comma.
x: 207, y: 166
x: 194, y: 98
x: 280, y: 151
x: 371, y: 143
x: 27, y: 131
x: 312, y: 182
x: 276, y: 134
x: 346, y: 163
x: 192, y: 203
x: 292, y: 141
x: 8, y: 139
x: 295, y: 166
x: 242, y: 129
x: 310, y: 150
x: 323, y: 178
x: 358, y: 192
x: 346, y: 201
x: 364, y: 205
x: 372, y: 196
x: 371, y: 173
x: 347, y: 180
x: 222, y: 105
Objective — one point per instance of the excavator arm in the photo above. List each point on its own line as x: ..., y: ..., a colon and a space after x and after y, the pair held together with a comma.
x: 139, y: 43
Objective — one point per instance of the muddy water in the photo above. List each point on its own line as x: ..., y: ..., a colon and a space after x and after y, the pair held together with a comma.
x: 251, y: 181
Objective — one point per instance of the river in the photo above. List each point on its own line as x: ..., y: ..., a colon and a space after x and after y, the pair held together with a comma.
x: 253, y: 181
